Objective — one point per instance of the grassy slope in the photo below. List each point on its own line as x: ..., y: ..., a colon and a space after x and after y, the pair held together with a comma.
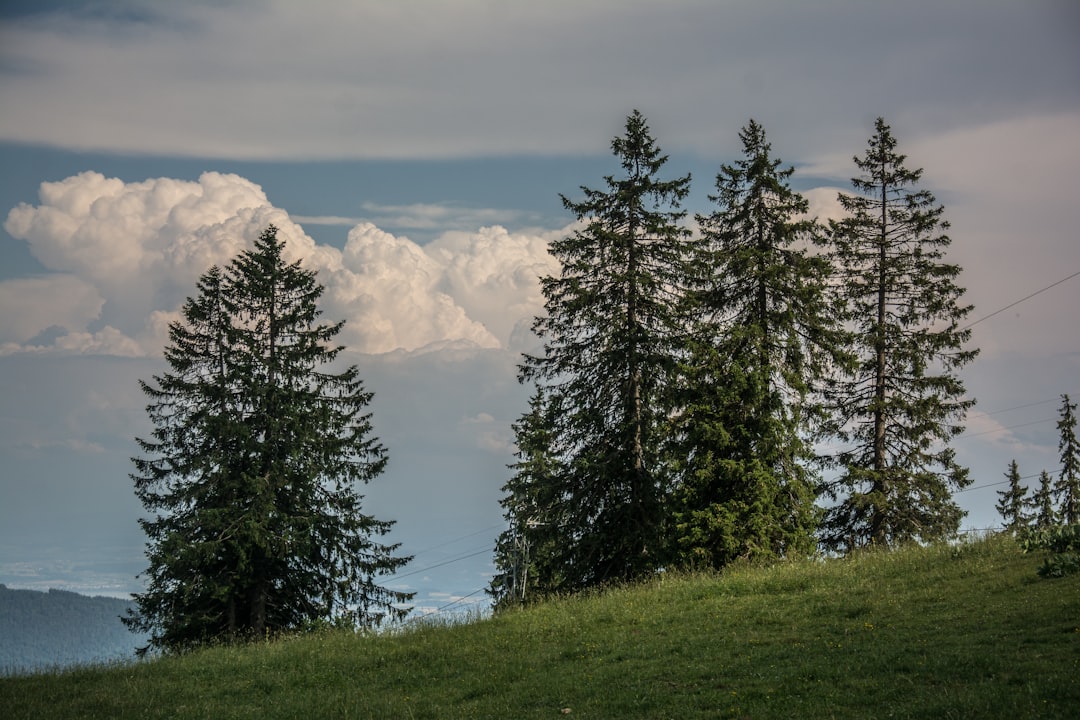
x: 936, y: 632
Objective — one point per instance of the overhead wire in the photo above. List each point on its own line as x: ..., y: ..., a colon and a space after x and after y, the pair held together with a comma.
x: 487, y: 549
x: 1014, y: 304
x: 458, y: 601
x: 1009, y: 409
x: 482, y: 551
x: 457, y: 539
x: 1017, y: 407
x: 1002, y: 482
x: 1003, y: 429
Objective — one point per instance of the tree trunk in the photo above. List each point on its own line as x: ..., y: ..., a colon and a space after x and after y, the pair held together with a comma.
x: 878, y: 533
x: 257, y: 621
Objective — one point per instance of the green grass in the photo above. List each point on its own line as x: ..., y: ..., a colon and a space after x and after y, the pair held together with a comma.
x: 940, y: 632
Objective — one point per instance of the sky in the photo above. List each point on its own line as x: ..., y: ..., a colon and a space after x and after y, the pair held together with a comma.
x: 413, y: 153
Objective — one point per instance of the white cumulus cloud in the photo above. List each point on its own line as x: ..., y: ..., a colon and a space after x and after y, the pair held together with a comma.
x: 123, y: 257
x: 493, y: 274
x: 34, y: 304
x: 390, y: 289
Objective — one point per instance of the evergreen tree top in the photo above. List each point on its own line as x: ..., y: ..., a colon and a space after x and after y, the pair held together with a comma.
x: 882, y: 162
x: 641, y: 159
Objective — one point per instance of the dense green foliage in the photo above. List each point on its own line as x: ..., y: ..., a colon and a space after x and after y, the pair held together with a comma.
x: 252, y: 467
x: 903, y: 404
x: 1061, y: 542
x: 763, y: 338
x: 944, y: 631
x: 41, y: 630
x: 610, y: 337
x: 688, y: 382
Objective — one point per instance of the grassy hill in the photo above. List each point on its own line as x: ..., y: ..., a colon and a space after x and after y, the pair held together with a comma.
x: 942, y: 632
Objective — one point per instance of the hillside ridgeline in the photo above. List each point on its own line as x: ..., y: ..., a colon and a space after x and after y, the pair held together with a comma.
x: 942, y: 631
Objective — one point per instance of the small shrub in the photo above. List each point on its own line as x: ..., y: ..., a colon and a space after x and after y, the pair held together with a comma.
x: 1063, y: 544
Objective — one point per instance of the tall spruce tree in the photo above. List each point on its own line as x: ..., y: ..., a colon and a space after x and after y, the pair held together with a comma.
x: 764, y: 340
x: 1012, y: 503
x: 610, y: 335
x: 250, y: 474
x: 1043, y: 513
x: 1067, y: 487
x: 904, y: 402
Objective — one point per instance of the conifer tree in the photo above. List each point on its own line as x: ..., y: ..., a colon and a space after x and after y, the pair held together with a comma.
x: 250, y: 473
x: 1067, y: 487
x: 610, y: 336
x: 1043, y: 513
x: 904, y: 402
x: 764, y: 339
x: 525, y: 550
x: 1012, y: 503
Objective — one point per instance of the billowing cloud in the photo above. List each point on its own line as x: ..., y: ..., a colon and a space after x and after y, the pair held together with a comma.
x: 125, y: 255
x: 824, y: 203
x: 493, y: 274
x: 389, y: 288
x: 110, y: 231
x: 33, y: 305
x: 139, y: 246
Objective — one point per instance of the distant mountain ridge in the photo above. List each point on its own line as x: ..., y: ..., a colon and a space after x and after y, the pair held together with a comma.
x: 56, y: 629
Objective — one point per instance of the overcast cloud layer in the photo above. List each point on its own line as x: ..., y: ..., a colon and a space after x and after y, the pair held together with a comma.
x: 330, y: 79
x: 437, y: 279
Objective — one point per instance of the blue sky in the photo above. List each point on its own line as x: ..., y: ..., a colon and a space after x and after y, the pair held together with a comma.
x: 414, y: 154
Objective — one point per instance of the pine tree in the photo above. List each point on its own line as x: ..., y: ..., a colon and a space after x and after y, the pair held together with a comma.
x: 1012, y: 503
x: 525, y: 550
x: 904, y: 402
x: 1067, y: 487
x: 610, y: 333
x: 257, y: 527
x: 194, y: 481
x: 1043, y: 513
x: 765, y: 337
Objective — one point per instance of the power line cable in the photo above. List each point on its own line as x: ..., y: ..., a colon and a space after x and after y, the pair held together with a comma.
x: 463, y: 597
x: 1009, y: 409
x: 1012, y: 305
x: 457, y: 539
x: 1002, y: 482
x: 445, y: 562
x: 1003, y: 429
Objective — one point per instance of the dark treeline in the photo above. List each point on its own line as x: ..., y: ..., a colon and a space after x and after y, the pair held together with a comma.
x: 760, y: 389
x: 44, y: 630
x: 1049, y: 518
x: 1055, y: 501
